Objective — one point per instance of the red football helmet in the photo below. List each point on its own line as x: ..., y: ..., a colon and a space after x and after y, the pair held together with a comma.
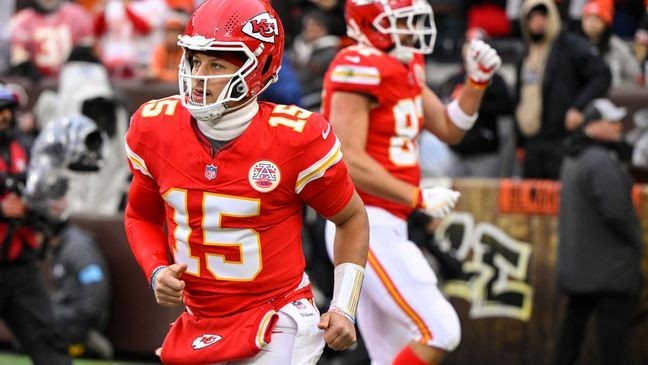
x: 382, y: 23
x: 251, y: 29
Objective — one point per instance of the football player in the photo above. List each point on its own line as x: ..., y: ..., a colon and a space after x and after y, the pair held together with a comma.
x: 376, y: 98
x: 42, y: 37
x: 228, y: 175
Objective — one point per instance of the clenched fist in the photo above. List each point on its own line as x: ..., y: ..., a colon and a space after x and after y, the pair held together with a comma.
x: 482, y: 61
x: 168, y: 285
x: 339, y: 331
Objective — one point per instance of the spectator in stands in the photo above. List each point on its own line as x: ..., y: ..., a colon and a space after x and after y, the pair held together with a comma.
x: 597, y: 27
x: 334, y: 12
x: 84, y: 88
x: 557, y: 76
x: 312, y: 52
x: 42, y: 37
x: 477, y: 153
x: 26, y: 128
x: 599, y: 251
x: 128, y: 31
x: 641, y: 40
x: 167, y: 55
x: 24, y: 301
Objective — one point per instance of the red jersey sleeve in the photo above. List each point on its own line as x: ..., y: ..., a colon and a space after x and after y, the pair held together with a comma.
x: 354, y: 70
x: 323, y: 181
x: 145, y: 213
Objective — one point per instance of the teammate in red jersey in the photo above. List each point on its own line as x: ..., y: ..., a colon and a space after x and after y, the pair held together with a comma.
x: 376, y: 98
x: 43, y: 36
x: 228, y: 175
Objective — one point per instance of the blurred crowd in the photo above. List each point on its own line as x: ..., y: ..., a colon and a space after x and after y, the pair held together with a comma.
x: 560, y: 58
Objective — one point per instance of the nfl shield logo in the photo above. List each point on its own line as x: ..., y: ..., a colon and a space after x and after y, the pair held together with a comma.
x: 210, y: 172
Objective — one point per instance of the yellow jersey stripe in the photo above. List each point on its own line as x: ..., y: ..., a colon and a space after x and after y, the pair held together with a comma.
x: 137, y: 161
x: 317, y: 170
x: 260, y: 342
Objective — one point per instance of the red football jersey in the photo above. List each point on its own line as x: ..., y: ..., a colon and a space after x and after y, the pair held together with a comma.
x: 233, y: 216
x: 47, y: 39
x: 395, y: 120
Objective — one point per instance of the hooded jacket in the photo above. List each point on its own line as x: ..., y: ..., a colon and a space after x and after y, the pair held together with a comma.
x: 573, y: 75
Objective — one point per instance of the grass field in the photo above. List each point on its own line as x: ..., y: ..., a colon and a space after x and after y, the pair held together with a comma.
x: 8, y: 358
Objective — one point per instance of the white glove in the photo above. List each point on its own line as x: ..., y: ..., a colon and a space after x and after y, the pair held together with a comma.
x: 439, y: 201
x: 482, y: 61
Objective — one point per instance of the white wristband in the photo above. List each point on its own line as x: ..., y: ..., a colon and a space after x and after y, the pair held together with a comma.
x: 459, y: 117
x: 346, y: 289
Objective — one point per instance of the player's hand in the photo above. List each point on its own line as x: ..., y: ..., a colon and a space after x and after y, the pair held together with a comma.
x: 439, y: 201
x: 168, y: 285
x: 339, y: 332
x: 482, y: 61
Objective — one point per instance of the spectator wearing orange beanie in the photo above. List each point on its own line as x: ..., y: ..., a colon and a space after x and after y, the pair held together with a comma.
x: 597, y: 27
x: 604, y: 9
x: 166, y: 56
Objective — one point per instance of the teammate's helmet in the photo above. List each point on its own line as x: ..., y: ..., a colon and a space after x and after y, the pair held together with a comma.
x: 374, y: 23
x: 250, y: 29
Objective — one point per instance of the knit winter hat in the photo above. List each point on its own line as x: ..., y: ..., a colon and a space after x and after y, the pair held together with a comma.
x: 604, y: 9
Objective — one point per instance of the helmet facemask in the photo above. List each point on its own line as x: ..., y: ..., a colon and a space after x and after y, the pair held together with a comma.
x: 235, y: 89
x: 419, y: 24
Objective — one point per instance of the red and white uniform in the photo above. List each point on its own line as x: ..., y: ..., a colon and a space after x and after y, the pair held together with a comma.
x: 397, y: 117
x: 400, y: 301
x: 234, y: 215
x: 128, y: 32
x: 47, y: 39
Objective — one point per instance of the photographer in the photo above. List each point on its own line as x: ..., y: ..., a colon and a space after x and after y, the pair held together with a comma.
x: 24, y: 302
x: 80, y: 278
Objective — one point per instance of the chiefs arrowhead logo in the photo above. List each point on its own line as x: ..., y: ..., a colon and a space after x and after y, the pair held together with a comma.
x: 205, y: 340
x: 262, y: 27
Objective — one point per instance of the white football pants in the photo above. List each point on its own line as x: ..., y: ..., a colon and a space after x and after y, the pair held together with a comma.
x: 400, y: 301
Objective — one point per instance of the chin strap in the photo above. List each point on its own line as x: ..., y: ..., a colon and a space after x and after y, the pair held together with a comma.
x: 231, y: 124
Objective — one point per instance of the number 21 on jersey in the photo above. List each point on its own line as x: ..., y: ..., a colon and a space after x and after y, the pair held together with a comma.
x: 215, y: 207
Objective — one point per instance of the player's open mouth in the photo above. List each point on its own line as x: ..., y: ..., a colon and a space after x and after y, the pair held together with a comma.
x: 197, y: 95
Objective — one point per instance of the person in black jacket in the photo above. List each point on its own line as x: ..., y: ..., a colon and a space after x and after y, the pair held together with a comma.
x: 24, y: 304
x: 478, y: 151
x: 599, y: 252
x: 559, y: 74
x: 81, y: 296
